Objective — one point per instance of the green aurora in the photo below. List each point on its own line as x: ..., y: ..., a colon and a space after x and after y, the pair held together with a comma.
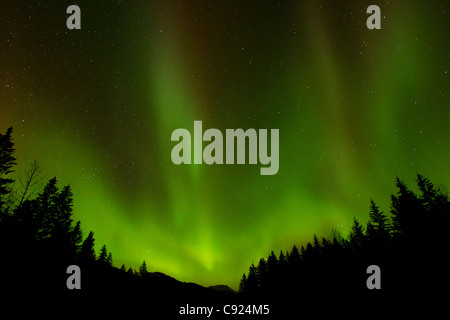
x: 97, y: 106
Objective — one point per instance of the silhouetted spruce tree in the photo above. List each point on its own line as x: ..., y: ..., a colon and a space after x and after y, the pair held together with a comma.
x: 122, y: 268
x: 429, y: 192
x: 436, y: 218
x: 64, y: 203
x: 272, y: 262
x: 357, y: 236
x: 143, y: 269
x: 272, y: 269
x: 407, y: 212
x: 294, y: 258
x: 378, y: 227
x: 103, y: 255
x: 243, y: 284
x: 46, y: 214
x: 7, y: 161
x: 61, y: 238
x: 294, y: 263
x: 282, y: 269
x: 282, y: 266
x: 434, y: 200
x: 87, y: 252
x: 308, y: 251
x: 262, y: 272
x: 252, y: 280
x: 76, y: 236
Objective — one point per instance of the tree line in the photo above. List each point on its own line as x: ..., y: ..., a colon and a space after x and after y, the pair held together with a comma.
x: 37, y: 226
x: 409, y: 245
x: 39, y: 239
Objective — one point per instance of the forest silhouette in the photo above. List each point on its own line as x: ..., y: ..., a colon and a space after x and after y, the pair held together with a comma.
x: 410, y: 246
x: 39, y: 240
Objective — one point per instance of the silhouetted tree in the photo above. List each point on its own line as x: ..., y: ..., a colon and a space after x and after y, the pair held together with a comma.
x: 76, y: 236
x: 143, y: 269
x: 262, y: 272
x: 282, y: 264
x: 61, y: 238
x: 429, y: 192
x: 357, y: 236
x: 294, y: 257
x: 64, y: 204
x: 433, y: 221
x: 103, y: 254
x: 308, y: 251
x: 272, y: 263
x: 407, y: 211
x: 87, y: 253
x: 434, y: 200
x: 46, y: 213
x: 378, y: 227
x: 243, y: 284
x: 252, y: 280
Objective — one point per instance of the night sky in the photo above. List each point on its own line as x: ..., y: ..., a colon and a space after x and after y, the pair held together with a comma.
x: 96, y: 108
